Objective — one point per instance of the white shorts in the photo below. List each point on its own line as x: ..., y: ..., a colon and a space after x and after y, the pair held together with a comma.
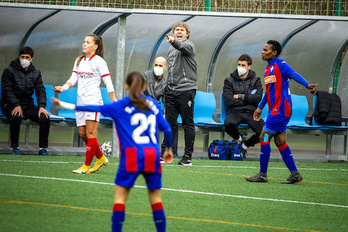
x: 82, y: 116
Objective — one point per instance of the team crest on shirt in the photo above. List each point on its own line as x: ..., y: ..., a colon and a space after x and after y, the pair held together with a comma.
x: 129, y: 110
x: 272, y: 67
x: 270, y: 79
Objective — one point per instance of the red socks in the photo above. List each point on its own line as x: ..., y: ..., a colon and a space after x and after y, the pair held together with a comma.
x: 92, y: 148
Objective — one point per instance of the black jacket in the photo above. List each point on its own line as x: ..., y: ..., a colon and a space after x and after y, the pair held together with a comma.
x: 18, y: 85
x: 246, y: 102
x: 328, y: 109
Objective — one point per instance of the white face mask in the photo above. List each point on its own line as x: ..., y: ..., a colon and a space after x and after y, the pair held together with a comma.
x: 24, y: 63
x: 241, y: 71
x: 158, y: 71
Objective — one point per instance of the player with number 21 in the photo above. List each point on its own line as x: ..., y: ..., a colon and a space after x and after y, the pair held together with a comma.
x: 138, y: 119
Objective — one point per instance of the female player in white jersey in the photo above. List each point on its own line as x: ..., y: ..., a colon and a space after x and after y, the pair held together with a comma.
x: 89, y: 69
x: 137, y: 119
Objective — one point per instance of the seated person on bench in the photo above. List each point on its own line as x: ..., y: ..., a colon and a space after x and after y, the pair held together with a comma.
x: 242, y: 93
x: 19, y: 80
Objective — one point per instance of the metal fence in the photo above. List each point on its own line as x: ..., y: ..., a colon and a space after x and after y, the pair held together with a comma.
x: 300, y: 7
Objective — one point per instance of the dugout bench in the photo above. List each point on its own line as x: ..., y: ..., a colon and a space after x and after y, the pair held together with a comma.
x: 204, y: 108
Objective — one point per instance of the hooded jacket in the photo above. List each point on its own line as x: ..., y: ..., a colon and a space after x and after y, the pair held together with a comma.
x: 18, y: 85
x: 249, y: 92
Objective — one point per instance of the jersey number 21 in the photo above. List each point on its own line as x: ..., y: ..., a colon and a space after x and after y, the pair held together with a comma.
x: 144, y: 123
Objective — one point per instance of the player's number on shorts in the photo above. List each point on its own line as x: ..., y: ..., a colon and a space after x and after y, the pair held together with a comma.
x: 144, y: 123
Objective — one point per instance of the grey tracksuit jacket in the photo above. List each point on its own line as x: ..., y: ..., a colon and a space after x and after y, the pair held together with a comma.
x: 182, y: 66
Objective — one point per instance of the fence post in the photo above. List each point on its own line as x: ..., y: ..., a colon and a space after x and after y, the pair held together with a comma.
x: 338, y: 7
x: 120, y: 58
x: 207, y: 5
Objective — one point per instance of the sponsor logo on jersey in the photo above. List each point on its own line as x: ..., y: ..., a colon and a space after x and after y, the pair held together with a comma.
x: 270, y: 79
x: 153, y: 107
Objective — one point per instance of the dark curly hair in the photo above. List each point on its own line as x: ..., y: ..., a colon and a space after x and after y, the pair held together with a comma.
x: 276, y: 46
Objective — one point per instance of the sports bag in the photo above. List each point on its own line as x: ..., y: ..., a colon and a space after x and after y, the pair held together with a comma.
x: 224, y: 150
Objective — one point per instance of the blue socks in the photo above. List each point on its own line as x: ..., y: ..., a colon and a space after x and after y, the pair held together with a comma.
x: 287, y: 157
x: 159, y: 217
x: 264, y: 156
x: 284, y: 151
x: 118, y: 216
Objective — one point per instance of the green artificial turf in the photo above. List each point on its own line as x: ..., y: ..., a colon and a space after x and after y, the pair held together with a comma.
x: 42, y: 194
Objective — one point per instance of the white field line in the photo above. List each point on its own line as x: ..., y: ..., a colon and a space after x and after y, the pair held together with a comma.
x: 38, y: 161
x: 183, y: 191
x: 170, y: 165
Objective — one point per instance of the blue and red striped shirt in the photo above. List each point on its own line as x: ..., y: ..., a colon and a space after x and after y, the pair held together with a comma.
x: 278, y: 96
x: 137, y: 133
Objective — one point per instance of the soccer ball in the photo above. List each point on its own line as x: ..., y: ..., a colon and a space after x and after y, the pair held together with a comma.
x: 106, y: 148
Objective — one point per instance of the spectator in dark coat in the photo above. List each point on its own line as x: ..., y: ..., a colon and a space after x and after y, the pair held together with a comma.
x: 242, y: 93
x: 18, y: 83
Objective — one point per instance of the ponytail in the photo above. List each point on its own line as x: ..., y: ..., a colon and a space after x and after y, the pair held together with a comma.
x: 79, y: 60
x: 98, y: 40
x: 100, y: 49
x: 135, y: 82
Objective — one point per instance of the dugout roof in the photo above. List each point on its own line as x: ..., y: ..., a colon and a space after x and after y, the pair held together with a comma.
x: 313, y: 46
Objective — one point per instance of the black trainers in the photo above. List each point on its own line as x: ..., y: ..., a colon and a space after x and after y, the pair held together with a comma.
x: 257, y: 178
x: 185, y: 161
x: 161, y: 160
x: 293, y: 179
x: 43, y: 152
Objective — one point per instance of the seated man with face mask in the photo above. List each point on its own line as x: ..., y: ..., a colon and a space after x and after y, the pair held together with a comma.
x: 155, y: 81
x: 18, y: 83
x: 242, y: 93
